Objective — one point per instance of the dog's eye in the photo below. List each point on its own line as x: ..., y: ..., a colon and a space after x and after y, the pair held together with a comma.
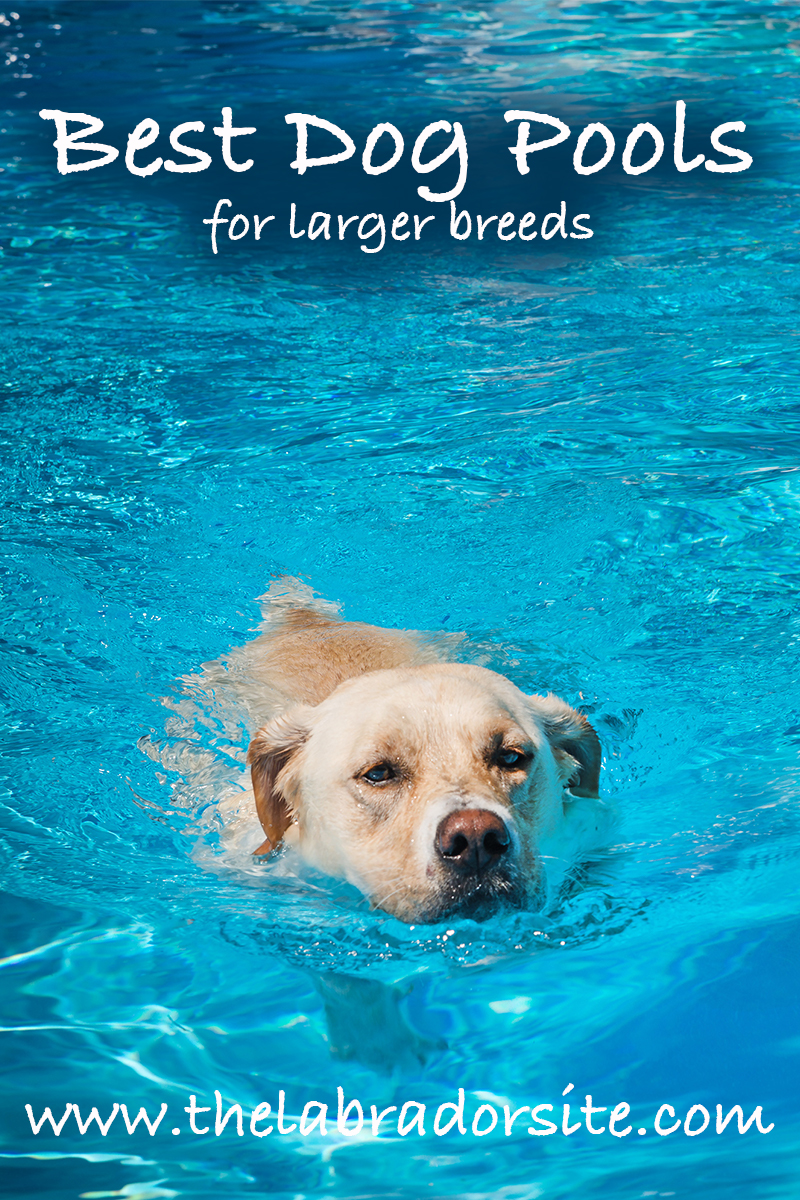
x: 380, y: 773
x: 511, y: 760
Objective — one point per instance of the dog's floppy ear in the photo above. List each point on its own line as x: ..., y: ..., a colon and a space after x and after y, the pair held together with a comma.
x: 271, y: 752
x: 571, y: 734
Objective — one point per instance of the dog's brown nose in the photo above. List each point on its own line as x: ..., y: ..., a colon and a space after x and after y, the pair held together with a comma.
x: 470, y: 840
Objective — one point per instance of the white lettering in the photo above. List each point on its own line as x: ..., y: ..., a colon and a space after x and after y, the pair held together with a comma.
x: 458, y: 145
x: 72, y: 141
x: 302, y: 162
x: 523, y: 147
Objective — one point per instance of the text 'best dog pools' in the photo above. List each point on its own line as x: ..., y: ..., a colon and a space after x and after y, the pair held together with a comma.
x: 371, y: 228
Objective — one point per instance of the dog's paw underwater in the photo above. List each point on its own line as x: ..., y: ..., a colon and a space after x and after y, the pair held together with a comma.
x: 436, y: 788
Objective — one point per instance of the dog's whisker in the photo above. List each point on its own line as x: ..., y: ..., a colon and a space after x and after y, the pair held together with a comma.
x: 381, y: 900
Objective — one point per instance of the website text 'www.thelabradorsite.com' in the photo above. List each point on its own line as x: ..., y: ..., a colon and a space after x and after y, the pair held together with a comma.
x: 347, y: 1118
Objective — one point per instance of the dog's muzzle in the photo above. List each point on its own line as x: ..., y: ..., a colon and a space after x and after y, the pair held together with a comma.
x: 474, y: 853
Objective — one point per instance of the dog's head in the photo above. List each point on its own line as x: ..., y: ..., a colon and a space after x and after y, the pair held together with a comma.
x: 430, y: 788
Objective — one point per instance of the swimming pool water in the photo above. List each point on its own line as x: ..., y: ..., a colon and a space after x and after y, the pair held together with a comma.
x: 582, y: 454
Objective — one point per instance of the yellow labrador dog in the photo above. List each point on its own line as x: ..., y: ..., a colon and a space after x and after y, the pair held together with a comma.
x: 434, y: 787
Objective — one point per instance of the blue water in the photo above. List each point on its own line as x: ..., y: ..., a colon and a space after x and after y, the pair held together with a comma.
x: 582, y: 454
